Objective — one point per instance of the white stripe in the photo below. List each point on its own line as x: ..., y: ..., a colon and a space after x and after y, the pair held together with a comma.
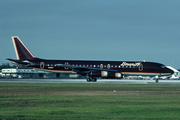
x: 15, y: 48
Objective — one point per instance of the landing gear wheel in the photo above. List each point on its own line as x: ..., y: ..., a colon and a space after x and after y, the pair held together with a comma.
x: 88, y: 79
x: 157, y: 80
x: 94, y: 80
x: 91, y: 79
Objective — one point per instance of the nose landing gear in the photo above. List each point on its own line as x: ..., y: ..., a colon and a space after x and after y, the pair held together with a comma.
x: 156, y: 80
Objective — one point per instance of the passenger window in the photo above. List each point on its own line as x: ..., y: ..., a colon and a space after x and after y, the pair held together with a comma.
x: 163, y: 66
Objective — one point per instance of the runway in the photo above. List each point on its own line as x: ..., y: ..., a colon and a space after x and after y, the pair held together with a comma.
x: 83, y: 81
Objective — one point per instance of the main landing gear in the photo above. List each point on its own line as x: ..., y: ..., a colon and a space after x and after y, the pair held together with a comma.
x: 91, y: 79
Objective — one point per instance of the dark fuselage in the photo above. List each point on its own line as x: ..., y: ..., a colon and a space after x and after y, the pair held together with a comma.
x: 125, y: 67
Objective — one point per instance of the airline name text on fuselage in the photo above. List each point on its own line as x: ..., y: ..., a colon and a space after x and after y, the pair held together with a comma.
x: 130, y: 64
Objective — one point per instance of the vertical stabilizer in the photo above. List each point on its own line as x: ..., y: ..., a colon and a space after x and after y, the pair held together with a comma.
x: 21, y: 50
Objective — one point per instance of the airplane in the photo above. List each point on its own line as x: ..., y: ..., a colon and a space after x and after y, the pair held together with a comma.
x: 91, y: 69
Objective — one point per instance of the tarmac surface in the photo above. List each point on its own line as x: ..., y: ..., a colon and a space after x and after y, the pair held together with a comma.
x: 83, y: 81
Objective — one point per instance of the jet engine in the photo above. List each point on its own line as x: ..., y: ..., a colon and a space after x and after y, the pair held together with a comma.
x: 105, y: 74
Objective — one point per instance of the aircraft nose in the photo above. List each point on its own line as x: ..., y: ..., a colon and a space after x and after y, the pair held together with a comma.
x: 171, y: 71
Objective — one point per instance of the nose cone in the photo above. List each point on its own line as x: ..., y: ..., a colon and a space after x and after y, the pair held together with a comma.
x: 170, y: 71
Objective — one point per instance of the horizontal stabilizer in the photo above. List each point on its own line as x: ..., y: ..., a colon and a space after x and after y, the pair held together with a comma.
x: 18, y: 61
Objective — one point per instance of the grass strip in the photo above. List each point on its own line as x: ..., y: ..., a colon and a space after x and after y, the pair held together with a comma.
x: 89, y: 101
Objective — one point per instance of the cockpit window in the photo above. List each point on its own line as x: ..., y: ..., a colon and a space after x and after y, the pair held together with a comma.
x: 163, y: 66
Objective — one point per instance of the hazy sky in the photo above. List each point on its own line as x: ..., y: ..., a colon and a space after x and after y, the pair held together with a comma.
x: 118, y: 30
